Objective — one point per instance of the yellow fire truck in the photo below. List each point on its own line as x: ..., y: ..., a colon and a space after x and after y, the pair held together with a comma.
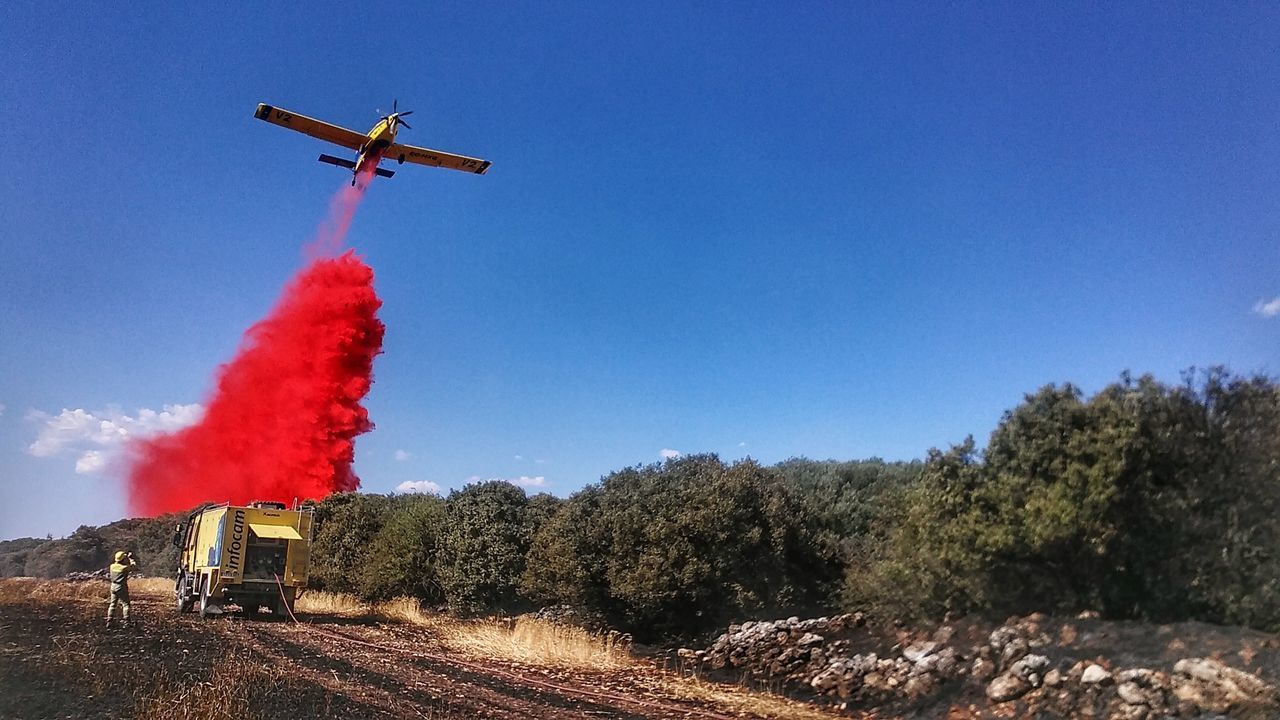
x: 254, y: 556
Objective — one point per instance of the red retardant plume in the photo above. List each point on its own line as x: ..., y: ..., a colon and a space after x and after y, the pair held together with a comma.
x: 283, y: 419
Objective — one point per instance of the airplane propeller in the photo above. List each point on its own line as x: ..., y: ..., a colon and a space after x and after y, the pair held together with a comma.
x: 397, y: 117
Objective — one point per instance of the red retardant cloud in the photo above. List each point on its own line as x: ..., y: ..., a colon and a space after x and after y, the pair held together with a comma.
x: 282, y: 422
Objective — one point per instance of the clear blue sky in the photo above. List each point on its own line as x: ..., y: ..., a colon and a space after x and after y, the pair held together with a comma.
x: 833, y: 230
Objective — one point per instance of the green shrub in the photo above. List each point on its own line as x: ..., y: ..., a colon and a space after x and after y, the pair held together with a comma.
x: 404, y: 554
x: 677, y: 548
x: 482, y: 546
x: 342, y: 539
x: 1144, y: 501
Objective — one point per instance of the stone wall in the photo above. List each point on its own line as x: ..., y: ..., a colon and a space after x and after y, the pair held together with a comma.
x: 850, y: 662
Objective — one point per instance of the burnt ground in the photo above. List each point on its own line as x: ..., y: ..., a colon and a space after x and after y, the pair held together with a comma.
x: 57, y: 660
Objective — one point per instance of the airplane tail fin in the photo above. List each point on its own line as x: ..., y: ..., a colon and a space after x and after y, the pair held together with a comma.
x: 348, y: 164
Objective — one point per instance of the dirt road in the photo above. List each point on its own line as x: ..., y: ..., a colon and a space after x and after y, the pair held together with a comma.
x: 58, y: 661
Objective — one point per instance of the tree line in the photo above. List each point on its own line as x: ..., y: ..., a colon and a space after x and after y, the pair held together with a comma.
x: 1147, y: 500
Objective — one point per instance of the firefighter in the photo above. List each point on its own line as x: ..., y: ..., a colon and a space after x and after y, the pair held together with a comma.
x: 119, y: 573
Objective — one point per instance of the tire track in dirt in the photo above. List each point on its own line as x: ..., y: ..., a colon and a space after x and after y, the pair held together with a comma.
x: 474, y: 689
x: 397, y: 685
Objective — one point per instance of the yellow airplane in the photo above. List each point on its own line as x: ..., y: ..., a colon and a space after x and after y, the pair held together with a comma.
x: 376, y: 145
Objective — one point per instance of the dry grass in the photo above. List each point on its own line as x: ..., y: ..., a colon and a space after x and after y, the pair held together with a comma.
x: 408, y: 610
x: 83, y: 672
x: 225, y: 695
x: 16, y: 589
x: 152, y: 585
x: 239, y: 686
x: 752, y: 703
x: 327, y: 603
x: 539, y: 642
x: 25, y: 588
x: 535, y: 642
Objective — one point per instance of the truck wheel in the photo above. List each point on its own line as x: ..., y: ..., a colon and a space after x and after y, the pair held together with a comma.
x: 204, y: 598
x: 184, y: 600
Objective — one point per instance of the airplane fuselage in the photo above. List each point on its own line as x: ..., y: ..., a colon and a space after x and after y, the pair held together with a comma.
x: 377, y: 140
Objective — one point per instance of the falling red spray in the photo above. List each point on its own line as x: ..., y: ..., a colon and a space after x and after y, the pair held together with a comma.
x: 283, y: 419
x: 342, y: 209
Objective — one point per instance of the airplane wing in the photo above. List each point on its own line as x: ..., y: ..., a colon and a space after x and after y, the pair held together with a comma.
x: 310, y: 126
x: 435, y: 158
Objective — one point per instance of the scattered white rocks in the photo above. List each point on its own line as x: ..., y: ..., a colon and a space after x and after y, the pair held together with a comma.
x: 810, y: 653
x: 1019, y: 661
x: 100, y: 574
x: 1095, y: 674
x: 1197, y: 688
x: 1211, y: 685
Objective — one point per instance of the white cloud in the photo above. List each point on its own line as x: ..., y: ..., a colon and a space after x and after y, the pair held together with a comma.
x: 519, y: 457
x: 1270, y: 308
x: 1, y: 408
x: 742, y: 444
x: 420, y: 486
x: 90, y: 462
x: 95, y: 437
x: 669, y: 454
x: 402, y: 455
